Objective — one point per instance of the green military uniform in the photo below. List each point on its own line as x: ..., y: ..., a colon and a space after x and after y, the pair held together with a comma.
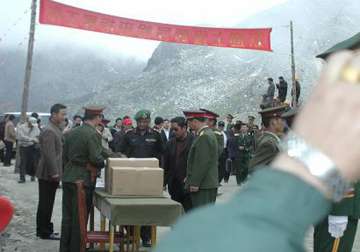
x: 202, y: 168
x: 212, y: 119
x: 82, y: 148
x: 258, y: 218
x: 267, y: 145
x: 350, y: 205
x: 241, y: 162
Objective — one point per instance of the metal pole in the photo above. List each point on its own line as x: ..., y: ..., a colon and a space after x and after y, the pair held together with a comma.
x: 293, y: 72
x: 25, y: 94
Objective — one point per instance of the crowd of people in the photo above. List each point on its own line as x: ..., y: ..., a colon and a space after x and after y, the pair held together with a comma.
x: 299, y: 169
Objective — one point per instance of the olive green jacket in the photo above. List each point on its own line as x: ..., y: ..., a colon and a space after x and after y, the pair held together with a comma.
x: 202, y: 166
x: 271, y: 213
x: 267, y: 147
x: 82, y: 146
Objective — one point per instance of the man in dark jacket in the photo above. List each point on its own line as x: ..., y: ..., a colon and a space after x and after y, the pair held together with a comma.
x: 143, y: 142
x: 282, y: 88
x: 2, y: 136
x: 49, y: 171
x: 175, y: 162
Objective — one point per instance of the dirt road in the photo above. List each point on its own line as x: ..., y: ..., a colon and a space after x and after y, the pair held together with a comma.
x: 21, y: 236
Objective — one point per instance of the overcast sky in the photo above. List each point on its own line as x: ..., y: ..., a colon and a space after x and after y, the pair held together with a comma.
x: 223, y: 13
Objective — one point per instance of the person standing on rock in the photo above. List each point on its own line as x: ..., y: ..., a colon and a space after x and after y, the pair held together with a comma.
x: 282, y: 88
x: 49, y: 171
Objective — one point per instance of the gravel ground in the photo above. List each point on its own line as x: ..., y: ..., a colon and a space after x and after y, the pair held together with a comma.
x: 20, y: 235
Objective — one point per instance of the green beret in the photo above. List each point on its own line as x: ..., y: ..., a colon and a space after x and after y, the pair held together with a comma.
x: 142, y: 114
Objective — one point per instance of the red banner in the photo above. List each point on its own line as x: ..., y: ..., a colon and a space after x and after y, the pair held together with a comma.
x: 55, y: 13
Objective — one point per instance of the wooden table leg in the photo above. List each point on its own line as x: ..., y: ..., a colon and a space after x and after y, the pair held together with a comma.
x: 92, y: 217
x: 111, y: 238
x: 153, y: 236
x: 102, y: 228
x: 137, y: 237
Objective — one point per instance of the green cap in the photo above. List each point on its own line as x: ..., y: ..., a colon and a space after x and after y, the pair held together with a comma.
x: 142, y: 114
x: 352, y: 43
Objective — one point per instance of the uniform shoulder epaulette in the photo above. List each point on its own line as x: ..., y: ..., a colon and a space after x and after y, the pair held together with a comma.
x: 201, y: 133
x: 218, y: 132
x: 236, y: 134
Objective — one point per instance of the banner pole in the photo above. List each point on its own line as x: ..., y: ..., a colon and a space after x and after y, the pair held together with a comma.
x: 293, y: 71
x: 25, y: 94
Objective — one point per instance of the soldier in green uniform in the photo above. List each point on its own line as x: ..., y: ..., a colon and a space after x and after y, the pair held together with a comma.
x: 211, y: 123
x: 267, y: 145
x: 239, y: 151
x: 202, y: 169
x: 143, y: 142
x: 83, y: 156
x: 345, y: 214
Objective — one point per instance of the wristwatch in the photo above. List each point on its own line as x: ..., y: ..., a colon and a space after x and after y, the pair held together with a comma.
x: 317, y: 163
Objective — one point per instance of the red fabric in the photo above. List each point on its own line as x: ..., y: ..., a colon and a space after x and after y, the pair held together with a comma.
x: 55, y: 13
x: 127, y: 122
x: 6, y: 212
x: 190, y: 115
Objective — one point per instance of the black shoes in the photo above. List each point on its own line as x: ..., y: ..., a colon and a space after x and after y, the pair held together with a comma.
x: 53, y: 236
x: 146, y: 244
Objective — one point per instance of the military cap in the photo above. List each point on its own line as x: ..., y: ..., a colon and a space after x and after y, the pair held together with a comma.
x: 195, y: 114
x: 118, y: 119
x: 273, y: 112
x: 221, y: 124
x: 352, y: 43
x: 94, y: 110
x: 270, y: 79
x: 230, y: 116
x: 210, y: 114
x: 142, y: 114
x: 251, y: 117
x: 290, y: 113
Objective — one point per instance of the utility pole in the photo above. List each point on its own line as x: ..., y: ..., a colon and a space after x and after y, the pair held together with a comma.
x: 25, y: 94
x: 293, y: 71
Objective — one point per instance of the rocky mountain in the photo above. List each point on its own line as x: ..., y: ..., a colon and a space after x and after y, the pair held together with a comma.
x: 60, y: 74
x: 231, y: 80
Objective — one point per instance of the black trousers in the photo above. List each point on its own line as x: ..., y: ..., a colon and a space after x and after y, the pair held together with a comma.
x: 178, y: 194
x: 8, y: 152
x: 222, y: 167
x: 27, y: 161
x: 2, y: 153
x: 47, y: 191
x: 70, y: 227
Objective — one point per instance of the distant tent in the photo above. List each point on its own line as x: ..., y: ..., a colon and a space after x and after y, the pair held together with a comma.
x: 349, y: 44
